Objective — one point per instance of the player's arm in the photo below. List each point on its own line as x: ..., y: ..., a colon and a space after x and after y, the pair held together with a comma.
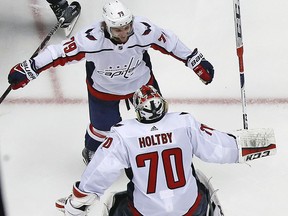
x: 22, y: 73
x: 78, y: 203
x: 106, y: 166
x: 243, y: 145
x: 167, y: 42
x: 102, y: 171
x: 213, y: 146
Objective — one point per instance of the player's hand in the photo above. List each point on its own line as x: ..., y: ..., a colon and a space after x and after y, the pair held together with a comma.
x: 77, y: 203
x: 201, y: 67
x: 22, y: 73
x: 64, y: 205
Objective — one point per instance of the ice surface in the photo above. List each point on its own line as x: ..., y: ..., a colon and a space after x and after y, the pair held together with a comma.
x: 42, y: 126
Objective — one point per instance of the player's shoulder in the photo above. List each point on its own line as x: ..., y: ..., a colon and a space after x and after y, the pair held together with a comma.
x: 93, y: 32
x: 179, y: 114
x: 140, y: 19
x: 143, y: 25
x: 125, y: 124
x: 182, y: 118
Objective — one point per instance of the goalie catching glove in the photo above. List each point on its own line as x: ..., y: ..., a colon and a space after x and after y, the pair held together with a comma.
x: 21, y: 74
x: 255, y: 143
x: 200, y: 66
x: 77, y: 203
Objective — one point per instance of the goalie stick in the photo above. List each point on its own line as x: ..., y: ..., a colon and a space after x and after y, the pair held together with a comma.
x: 258, y: 142
x: 240, y: 50
x: 39, y: 48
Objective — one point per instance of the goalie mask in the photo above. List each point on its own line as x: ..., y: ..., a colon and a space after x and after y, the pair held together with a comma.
x: 117, y: 15
x: 149, y: 105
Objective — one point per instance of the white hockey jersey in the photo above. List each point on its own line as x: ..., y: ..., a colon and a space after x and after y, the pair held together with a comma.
x: 160, y: 157
x: 114, y: 71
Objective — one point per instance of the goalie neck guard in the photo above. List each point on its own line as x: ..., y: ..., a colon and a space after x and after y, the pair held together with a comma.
x: 149, y: 105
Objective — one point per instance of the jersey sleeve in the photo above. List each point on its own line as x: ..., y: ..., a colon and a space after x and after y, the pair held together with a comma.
x: 68, y: 51
x: 211, y: 145
x: 106, y: 166
x: 167, y: 42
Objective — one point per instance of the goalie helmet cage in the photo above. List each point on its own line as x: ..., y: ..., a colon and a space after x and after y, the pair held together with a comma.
x: 239, y: 51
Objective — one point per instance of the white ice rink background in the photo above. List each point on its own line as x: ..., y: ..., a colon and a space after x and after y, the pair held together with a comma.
x: 42, y: 126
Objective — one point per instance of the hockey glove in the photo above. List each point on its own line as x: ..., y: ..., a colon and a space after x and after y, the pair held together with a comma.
x: 22, y: 73
x: 77, y: 203
x: 200, y: 66
x: 255, y: 143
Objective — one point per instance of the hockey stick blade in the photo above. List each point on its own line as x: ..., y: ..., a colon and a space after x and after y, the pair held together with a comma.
x: 39, y: 48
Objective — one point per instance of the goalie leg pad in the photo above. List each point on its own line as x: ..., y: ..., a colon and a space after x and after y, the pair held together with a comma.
x: 120, y: 205
x: 214, y: 207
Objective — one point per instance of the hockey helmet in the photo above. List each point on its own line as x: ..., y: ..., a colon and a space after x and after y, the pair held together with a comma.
x: 116, y: 15
x: 149, y: 105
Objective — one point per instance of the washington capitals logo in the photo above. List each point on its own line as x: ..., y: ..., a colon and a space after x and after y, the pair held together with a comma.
x: 89, y: 36
x: 148, y: 30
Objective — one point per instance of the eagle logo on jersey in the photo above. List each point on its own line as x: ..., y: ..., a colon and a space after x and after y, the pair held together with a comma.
x: 89, y: 36
x: 148, y: 28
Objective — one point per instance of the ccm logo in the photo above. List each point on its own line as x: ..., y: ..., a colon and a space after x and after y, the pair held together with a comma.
x: 258, y: 155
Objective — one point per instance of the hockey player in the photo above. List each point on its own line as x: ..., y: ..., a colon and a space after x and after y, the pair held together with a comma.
x: 117, y: 64
x: 71, y: 12
x: 156, y: 150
